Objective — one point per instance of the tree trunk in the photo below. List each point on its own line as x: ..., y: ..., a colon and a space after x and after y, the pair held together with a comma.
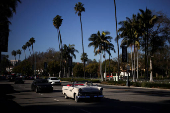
x: 117, y: 38
x: 105, y: 66
x: 151, y: 76
x: 101, y: 66
x: 132, y: 60
x: 82, y: 44
x: 137, y: 64
x: 134, y: 76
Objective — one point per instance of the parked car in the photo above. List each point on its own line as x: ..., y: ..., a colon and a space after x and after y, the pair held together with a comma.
x: 82, y: 90
x: 41, y: 85
x: 11, y: 78
x: 54, y: 81
x: 19, y: 80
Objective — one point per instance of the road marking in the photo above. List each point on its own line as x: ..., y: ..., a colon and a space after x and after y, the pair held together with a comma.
x: 85, y: 111
x: 56, y: 100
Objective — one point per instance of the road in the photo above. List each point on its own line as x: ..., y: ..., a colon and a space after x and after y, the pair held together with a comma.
x: 117, y: 99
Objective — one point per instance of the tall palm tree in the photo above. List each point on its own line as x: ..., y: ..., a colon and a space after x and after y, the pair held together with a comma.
x: 24, y: 47
x: 79, y: 9
x: 32, y: 41
x: 117, y: 38
x: 84, y: 57
x: 18, y: 52
x: 7, y: 7
x: 147, y: 20
x: 57, y: 21
x: 14, y: 53
x: 101, y: 43
x: 28, y: 45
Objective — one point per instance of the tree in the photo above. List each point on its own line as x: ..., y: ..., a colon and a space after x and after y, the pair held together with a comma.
x: 84, y: 57
x: 79, y: 9
x: 117, y: 37
x: 32, y: 41
x: 7, y: 8
x: 101, y: 43
x: 18, y: 52
x: 28, y: 45
x: 78, y: 70
x: 24, y: 47
x: 147, y: 20
x: 57, y: 21
x: 14, y: 53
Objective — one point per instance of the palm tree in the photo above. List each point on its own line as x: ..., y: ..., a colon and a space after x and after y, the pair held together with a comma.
x: 117, y: 38
x: 14, y: 53
x: 57, y: 21
x: 18, y: 52
x: 101, y: 43
x: 68, y: 51
x: 7, y: 7
x: 32, y: 41
x: 28, y: 45
x: 24, y: 47
x: 84, y: 57
x: 147, y: 20
x: 79, y: 9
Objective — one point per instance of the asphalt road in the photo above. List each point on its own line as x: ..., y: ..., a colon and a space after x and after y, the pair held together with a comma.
x: 117, y: 99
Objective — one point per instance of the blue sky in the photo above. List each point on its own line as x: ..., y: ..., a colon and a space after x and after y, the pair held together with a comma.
x: 33, y: 18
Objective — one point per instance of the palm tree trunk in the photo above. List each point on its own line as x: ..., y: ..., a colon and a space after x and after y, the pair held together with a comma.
x: 105, y: 66
x: 132, y: 60
x: 61, y: 62
x: 82, y: 44
x: 134, y: 64
x: 137, y: 64
x: 151, y: 76
x: 109, y: 64
x: 117, y: 38
x: 101, y: 66
x: 147, y: 54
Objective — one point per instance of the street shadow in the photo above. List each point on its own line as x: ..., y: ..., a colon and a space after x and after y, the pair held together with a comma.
x: 57, y: 91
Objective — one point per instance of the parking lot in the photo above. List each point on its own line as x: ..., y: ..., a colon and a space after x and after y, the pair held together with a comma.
x: 116, y: 99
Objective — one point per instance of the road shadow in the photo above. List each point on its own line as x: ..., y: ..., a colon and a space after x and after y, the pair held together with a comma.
x: 6, y: 101
x: 105, y: 105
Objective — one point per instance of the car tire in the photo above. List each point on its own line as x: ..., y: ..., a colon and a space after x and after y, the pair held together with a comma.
x: 76, y: 98
x: 65, y: 96
x: 36, y: 90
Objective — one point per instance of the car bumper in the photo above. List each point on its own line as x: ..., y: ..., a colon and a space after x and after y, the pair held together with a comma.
x: 98, y: 96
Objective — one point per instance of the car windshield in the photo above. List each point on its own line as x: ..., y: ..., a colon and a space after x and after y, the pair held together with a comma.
x: 54, y: 78
x: 42, y: 81
x: 83, y: 83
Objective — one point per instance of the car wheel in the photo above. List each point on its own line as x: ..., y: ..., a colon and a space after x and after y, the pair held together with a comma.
x: 76, y: 98
x: 66, y: 97
x: 36, y: 90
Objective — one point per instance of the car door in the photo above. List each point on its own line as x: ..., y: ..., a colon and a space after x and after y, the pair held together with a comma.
x: 70, y: 91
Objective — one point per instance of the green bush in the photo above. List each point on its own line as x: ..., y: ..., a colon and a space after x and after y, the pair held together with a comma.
x: 80, y: 79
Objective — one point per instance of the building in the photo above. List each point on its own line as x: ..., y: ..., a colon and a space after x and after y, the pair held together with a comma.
x: 14, y: 62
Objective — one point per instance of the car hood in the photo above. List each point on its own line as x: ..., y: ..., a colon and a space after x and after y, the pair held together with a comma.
x: 88, y: 88
x: 44, y: 84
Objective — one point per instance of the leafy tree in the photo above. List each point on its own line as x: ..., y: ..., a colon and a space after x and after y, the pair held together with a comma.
x: 92, y: 69
x: 78, y: 70
x: 79, y: 9
x: 54, y: 67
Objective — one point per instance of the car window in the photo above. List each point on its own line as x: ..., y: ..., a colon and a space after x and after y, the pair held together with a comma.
x: 54, y: 78
x: 42, y: 81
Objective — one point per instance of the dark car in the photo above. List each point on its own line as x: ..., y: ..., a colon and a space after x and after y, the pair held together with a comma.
x: 41, y: 85
x: 11, y: 78
x: 19, y: 80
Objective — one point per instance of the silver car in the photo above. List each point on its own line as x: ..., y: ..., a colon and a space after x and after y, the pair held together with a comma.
x: 54, y: 81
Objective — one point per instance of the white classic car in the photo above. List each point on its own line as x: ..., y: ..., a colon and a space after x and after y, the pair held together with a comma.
x: 82, y: 90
